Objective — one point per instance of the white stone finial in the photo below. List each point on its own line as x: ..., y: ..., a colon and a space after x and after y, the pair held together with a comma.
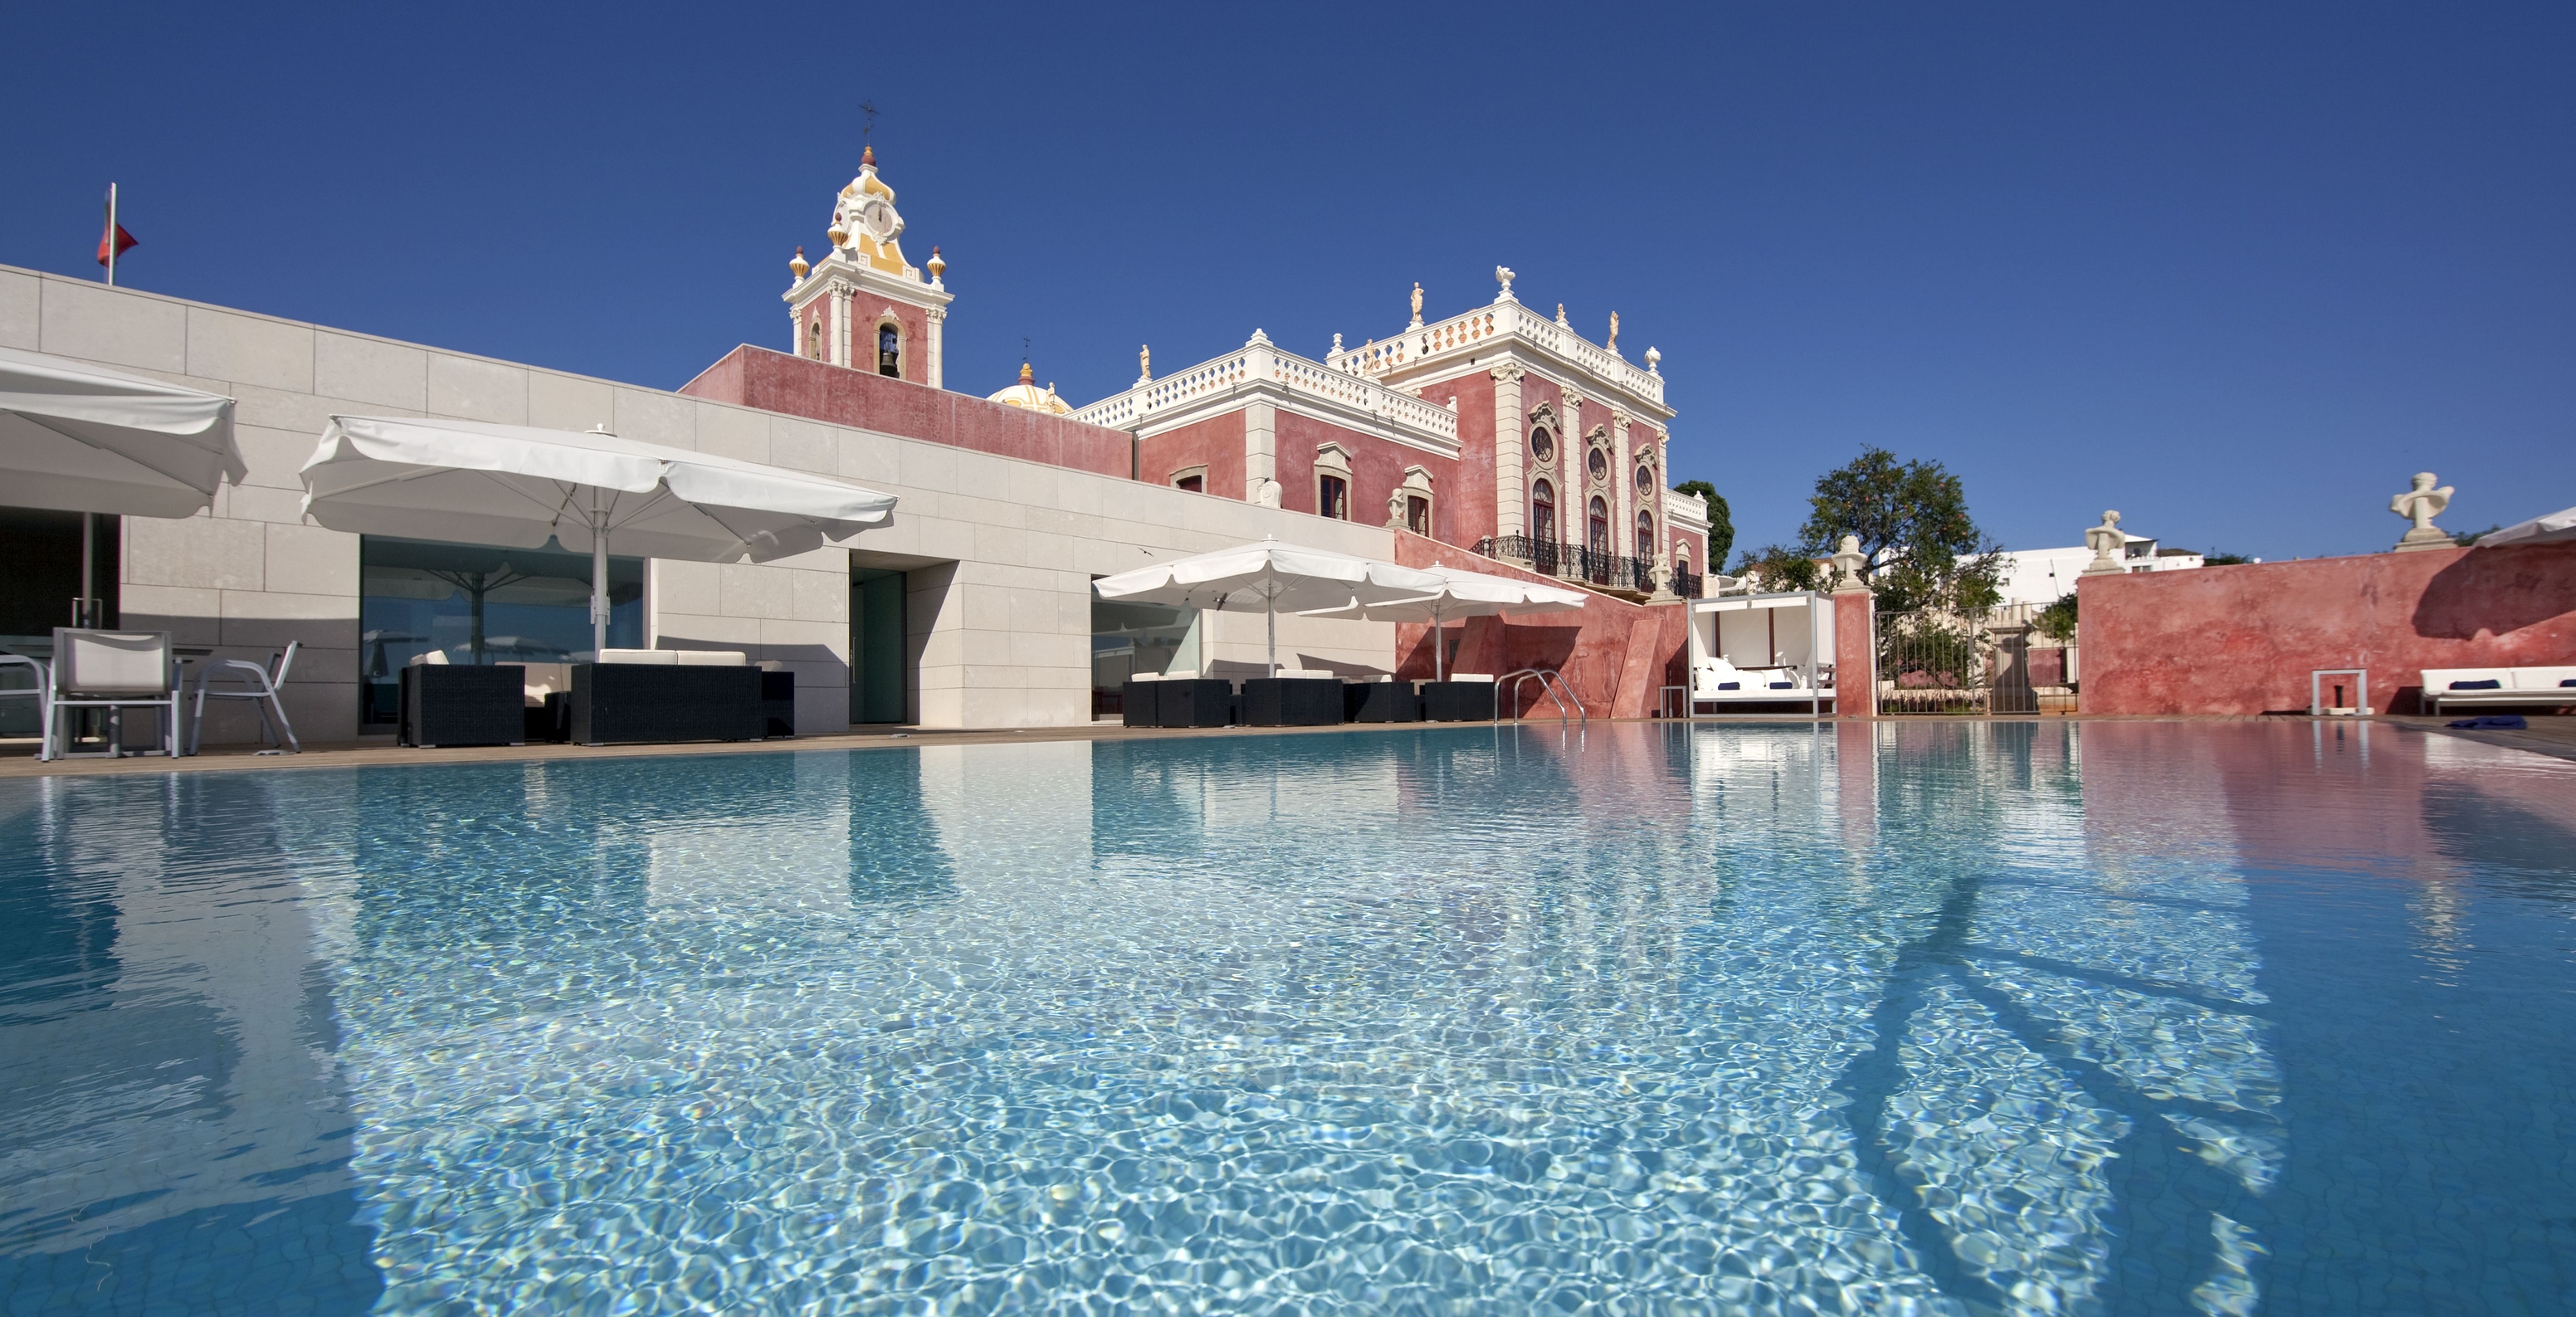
x: 1654, y: 359
x: 1258, y: 340
x: 798, y: 267
x: 2106, y: 541
x: 2420, y: 505
x: 1848, y: 562
x: 938, y: 266
x: 1503, y: 275
x: 1417, y: 304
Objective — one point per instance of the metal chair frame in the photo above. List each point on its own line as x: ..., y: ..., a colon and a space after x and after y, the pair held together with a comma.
x: 43, y: 695
x: 66, y: 698
x: 262, y: 684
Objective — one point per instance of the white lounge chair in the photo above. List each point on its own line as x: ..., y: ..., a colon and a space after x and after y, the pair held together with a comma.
x: 37, y: 691
x: 2498, y: 686
x: 257, y: 684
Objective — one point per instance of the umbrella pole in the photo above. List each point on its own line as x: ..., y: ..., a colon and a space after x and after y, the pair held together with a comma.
x: 1439, y: 645
x: 1270, y: 617
x: 598, y: 588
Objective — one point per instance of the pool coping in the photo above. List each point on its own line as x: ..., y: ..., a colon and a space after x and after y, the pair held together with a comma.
x: 2548, y: 738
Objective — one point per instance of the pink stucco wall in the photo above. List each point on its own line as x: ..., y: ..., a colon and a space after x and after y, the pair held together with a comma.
x: 2242, y: 640
x: 1215, y: 443
x: 1614, y: 654
x: 774, y: 381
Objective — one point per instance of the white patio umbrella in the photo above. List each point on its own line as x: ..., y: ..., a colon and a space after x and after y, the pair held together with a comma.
x: 79, y: 438
x: 1271, y: 576
x: 1463, y: 594
x: 512, y: 485
x: 2539, y: 530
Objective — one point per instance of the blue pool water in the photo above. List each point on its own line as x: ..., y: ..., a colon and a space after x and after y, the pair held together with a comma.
x: 1955, y: 1018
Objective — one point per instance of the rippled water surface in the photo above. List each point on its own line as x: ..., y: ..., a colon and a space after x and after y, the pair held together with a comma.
x: 2080, y: 1018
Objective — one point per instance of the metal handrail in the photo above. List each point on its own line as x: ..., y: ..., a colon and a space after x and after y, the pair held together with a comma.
x: 1544, y: 677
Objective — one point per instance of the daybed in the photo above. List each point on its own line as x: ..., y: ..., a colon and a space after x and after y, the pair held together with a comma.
x: 1716, y: 681
x: 2498, y: 686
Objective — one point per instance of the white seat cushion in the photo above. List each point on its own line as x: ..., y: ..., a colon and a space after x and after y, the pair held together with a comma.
x: 1471, y: 676
x: 661, y: 657
x: 1309, y: 674
x: 710, y: 658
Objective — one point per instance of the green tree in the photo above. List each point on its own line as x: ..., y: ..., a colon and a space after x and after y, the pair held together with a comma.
x: 1721, y: 521
x: 1919, y: 546
x: 2215, y: 558
x: 1781, y: 567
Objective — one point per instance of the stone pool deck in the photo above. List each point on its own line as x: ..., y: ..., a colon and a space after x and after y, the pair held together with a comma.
x: 2554, y: 736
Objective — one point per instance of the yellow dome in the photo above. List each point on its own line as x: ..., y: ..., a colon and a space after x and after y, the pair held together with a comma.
x: 1027, y: 394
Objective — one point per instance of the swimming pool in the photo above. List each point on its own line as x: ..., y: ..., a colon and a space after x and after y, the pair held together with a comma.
x: 1954, y: 1018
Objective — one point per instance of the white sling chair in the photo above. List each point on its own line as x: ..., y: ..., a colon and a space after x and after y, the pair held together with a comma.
x: 115, y: 671
x: 39, y: 692
x: 257, y: 684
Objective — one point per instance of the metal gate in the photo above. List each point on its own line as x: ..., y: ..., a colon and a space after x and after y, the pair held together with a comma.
x: 1932, y: 661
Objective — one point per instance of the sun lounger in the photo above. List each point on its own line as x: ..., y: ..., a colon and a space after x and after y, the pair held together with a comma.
x: 2516, y: 686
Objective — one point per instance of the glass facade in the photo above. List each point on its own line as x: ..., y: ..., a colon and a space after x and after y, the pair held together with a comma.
x: 1129, y: 638
x: 480, y: 605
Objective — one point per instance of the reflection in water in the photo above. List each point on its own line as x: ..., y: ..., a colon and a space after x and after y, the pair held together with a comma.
x: 1957, y: 1016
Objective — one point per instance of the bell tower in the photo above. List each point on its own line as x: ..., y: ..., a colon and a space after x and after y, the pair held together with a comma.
x: 863, y: 306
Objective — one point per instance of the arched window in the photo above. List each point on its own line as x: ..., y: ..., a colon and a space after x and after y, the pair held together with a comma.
x: 814, y: 338
x: 1542, y: 444
x: 1598, y: 464
x: 1645, y: 547
x: 1597, y: 539
x: 1645, y: 479
x: 889, y: 350
x: 1543, y: 512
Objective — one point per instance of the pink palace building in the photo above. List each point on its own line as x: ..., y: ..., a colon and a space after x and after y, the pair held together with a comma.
x: 1498, y: 430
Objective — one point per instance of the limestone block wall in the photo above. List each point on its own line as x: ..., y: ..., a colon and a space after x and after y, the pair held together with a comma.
x: 1000, y: 551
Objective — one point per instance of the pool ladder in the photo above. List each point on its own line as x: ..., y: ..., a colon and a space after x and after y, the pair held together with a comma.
x: 1550, y: 683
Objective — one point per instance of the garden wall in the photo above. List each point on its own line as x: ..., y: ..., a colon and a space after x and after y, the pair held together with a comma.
x: 2242, y: 639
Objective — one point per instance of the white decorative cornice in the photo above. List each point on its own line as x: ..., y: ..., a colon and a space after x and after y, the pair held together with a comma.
x: 1260, y: 373
x: 1507, y: 374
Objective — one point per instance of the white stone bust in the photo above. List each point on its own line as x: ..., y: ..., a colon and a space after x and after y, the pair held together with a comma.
x: 1268, y: 496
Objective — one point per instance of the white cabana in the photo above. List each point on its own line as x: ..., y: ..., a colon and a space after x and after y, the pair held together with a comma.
x: 2539, y: 530
x: 1761, y: 648
x: 1271, y: 577
x: 1463, y: 594
x: 512, y: 485
x: 78, y: 438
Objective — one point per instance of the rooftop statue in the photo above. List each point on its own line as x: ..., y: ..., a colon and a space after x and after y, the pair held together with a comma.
x: 2420, y: 505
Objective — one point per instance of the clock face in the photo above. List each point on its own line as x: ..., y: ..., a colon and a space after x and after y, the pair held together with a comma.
x: 879, y: 217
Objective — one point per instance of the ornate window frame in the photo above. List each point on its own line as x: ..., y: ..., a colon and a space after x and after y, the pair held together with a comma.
x: 1199, y: 472
x: 1331, y: 459
x: 1543, y: 417
x: 1598, y: 443
x: 1416, y: 484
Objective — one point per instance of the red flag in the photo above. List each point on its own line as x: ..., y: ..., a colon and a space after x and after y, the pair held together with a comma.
x: 113, y: 233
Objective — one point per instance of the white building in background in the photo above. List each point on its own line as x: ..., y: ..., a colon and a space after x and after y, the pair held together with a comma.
x: 2039, y: 577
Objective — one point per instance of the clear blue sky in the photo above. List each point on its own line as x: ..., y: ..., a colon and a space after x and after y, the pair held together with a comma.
x: 2233, y: 270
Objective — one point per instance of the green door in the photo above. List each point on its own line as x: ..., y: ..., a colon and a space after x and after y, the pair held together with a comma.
x: 877, y: 646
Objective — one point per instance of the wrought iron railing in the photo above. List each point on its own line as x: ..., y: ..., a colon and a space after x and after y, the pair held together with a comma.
x: 1571, y: 562
x: 1686, y: 585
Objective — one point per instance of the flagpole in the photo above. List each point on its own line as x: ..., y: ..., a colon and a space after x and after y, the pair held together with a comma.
x: 111, y: 235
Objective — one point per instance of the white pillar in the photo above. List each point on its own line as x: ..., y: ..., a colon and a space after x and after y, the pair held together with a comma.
x: 1623, y: 490
x: 938, y: 317
x: 1511, y: 484
x: 839, y: 350
x: 1260, y: 448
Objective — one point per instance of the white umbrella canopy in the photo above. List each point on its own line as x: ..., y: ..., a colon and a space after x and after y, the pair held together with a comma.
x: 1268, y: 576
x: 2548, y: 529
x: 1463, y: 594
x: 78, y: 438
x: 479, y: 483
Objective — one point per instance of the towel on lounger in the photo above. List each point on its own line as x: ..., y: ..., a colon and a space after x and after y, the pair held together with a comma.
x: 2501, y: 722
x: 2488, y: 685
x: 1730, y: 685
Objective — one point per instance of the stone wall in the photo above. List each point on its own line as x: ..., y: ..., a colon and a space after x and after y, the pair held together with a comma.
x: 2243, y: 639
x: 1000, y: 550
